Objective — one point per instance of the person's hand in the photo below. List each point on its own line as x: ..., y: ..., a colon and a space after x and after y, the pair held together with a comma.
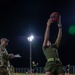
x: 11, y: 55
x: 49, y: 22
x: 59, y: 22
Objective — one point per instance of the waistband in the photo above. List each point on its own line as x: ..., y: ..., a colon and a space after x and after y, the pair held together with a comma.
x: 53, y: 59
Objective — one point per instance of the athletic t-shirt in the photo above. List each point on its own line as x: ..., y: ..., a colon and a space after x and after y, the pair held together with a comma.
x: 51, y: 51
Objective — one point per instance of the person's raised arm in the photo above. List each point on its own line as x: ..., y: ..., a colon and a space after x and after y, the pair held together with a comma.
x: 46, y: 36
x: 57, y: 42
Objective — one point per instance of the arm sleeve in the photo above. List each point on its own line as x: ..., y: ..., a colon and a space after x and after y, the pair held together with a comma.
x: 6, y: 57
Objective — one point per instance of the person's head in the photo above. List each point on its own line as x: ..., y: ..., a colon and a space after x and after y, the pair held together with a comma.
x: 68, y: 65
x: 48, y: 43
x: 33, y: 62
x: 4, y: 42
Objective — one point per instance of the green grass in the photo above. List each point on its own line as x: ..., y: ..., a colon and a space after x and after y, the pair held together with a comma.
x: 32, y: 74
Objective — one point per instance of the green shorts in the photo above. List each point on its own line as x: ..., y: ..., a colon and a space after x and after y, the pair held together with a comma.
x: 54, y: 67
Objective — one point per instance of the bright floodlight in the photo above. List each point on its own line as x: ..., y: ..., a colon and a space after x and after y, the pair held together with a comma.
x: 30, y: 38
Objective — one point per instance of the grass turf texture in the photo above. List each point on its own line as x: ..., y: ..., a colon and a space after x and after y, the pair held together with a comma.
x: 32, y: 74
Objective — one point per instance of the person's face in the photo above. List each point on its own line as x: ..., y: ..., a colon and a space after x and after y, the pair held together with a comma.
x: 33, y: 62
x: 68, y: 65
x: 4, y: 43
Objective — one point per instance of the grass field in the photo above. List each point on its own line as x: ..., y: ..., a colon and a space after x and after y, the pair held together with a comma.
x: 32, y: 74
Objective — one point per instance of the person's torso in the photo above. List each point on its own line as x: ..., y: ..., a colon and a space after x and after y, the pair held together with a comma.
x: 34, y: 66
x: 50, y: 52
x: 3, y: 53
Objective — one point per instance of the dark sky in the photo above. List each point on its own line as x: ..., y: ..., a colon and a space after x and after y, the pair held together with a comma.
x: 20, y: 18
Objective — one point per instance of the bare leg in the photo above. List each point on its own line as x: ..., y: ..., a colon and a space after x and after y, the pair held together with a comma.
x: 49, y: 73
x: 62, y: 74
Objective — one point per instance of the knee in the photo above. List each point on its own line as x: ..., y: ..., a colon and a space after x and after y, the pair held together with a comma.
x: 48, y: 73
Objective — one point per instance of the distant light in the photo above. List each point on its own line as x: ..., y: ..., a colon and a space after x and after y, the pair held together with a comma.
x: 72, y: 30
x: 30, y: 38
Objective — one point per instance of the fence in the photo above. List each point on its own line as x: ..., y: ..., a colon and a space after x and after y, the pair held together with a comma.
x: 40, y: 70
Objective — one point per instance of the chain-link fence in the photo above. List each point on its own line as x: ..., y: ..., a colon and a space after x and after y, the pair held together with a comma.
x: 41, y: 70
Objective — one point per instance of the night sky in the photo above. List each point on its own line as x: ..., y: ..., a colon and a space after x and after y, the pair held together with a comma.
x: 20, y: 18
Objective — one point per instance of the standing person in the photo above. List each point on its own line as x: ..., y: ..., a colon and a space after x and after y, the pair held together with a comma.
x: 53, y: 65
x: 68, y: 69
x: 4, y: 57
x: 34, y: 67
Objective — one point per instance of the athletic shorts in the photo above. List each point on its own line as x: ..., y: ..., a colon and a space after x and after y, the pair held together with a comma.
x: 54, y: 67
x: 34, y: 70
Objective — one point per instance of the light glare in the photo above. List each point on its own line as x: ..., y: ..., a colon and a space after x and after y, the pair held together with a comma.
x: 30, y: 38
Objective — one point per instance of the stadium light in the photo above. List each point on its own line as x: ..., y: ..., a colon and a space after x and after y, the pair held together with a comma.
x: 30, y: 39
